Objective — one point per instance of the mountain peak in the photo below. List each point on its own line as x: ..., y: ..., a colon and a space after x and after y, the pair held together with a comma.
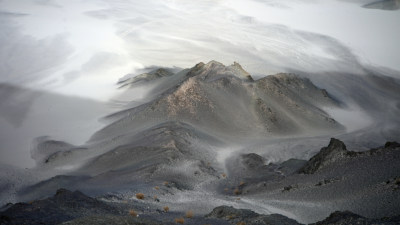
x: 214, y: 63
x: 239, y: 68
x: 336, y: 145
x: 214, y: 70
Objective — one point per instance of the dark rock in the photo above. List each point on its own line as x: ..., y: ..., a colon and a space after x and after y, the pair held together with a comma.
x: 111, y: 219
x: 324, y: 93
x: 288, y: 188
x: 340, y: 217
x: 63, y: 206
x: 250, y: 168
x: 392, y: 144
x: 44, y: 188
x: 235, y: 216
x: 326, y: 181
x: 346, y: 217
x: 223, y: 212
x: 393, y: 183
x: 388, y: 147
x: 252, y: 160
x: 6, y: 206
x: 335, y: 151
x: 4, y: 219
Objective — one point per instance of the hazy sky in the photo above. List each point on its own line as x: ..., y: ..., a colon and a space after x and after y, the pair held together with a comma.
x: 81, y: 48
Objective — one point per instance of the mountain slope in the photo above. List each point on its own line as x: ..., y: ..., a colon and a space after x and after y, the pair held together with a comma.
x: 180, y: 132
x: 226, y: 101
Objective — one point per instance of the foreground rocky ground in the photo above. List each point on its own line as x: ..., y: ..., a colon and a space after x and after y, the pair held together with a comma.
x: 67, y: 207
x: 73, y: 208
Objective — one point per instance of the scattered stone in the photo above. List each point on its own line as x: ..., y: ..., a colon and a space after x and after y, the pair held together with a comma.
x: 326, y: 181
x: 288, y: 188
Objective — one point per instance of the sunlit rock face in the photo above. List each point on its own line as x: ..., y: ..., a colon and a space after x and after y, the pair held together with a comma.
x: 227, y: 100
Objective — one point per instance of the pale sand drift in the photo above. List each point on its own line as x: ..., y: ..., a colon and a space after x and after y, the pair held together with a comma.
x: 27, y: 114
x: 121, y: 37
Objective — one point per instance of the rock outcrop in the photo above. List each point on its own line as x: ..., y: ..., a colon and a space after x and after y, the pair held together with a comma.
x: 335, y: 151
x: 346, y: 217
x: 248, y: 217
x: 252, y: 161
x: 65, y: 205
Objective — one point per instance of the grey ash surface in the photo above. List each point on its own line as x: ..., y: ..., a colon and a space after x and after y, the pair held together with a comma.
x: 212, y: 136
x: 68, y: 207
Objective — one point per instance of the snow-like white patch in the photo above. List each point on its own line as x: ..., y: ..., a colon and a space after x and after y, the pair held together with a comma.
x: 352, y: 118
x: 224, y: 153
